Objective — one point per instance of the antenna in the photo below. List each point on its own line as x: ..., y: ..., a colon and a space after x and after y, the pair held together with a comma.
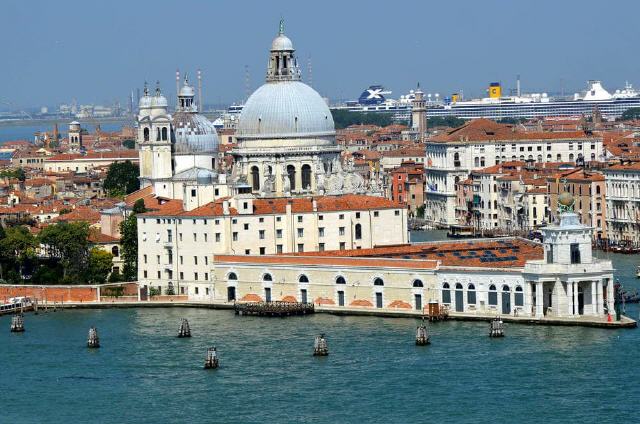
x: 177, y: 82
x: 200, y: 100
x: 518, y: 85
x: 247, y: 84
x: 309, y: 72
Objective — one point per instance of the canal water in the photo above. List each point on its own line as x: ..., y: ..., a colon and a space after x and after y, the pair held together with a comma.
x: 374, y: 374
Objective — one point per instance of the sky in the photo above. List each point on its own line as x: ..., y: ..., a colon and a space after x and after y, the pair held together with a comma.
x: 97, y: 52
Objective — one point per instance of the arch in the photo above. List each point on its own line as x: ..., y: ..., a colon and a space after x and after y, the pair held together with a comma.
x: 306, y: 177
x: 418, y: 283
x: 458, y: 286
x: 255, y: 178
x: 471, y: 294
x: 506, y: 288
x: 446, y: 293
x: 115, y: 251
x: 303, y: 279
x: 267, y: 277
x: 493, y: 295
x: 145, y: 134
x: 291, y: 172
x: 340, y: 280
x: 232, y: 276
x: 378, y: 282
x: 358, y: 231
x: 164, y: 134
x: 519, y: 296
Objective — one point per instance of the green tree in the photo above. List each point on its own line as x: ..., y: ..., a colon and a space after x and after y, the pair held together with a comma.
x: 99, y: 266
x: 445, y: 121
x: 139, y: 207
x: 68, y: 242
x: 343, y: 118
x: 129, y: 243
x: 632, y: 113
x: 122, y: 179
x: 129, y: 144
x: 17, y: 247
x: 115, y: 277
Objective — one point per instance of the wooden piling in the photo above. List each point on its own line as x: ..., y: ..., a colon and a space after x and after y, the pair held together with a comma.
x: 320, y: 347
x: 211, y: 362
x: 185, y: 330
x: 93, y: 341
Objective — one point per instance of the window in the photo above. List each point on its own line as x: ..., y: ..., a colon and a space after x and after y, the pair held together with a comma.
x: 446, y: 293
x: 575, y: 253
x: 145, y: 258
x: 343, y: 245
x: 519, y: 296
x: 320, y: 217
x: 291, y: 172
x: 299, y: 218
x: 357, y: 215
x: 300, y: 247
x: 300, y: 232
x: 195, y: 276
x: 341, y: 280
x: 218, y: 237
x: 267, y: 277
x: 234, y: 236
x: 493, y: 295
x: 158, y: 259
x: 247, y: 251
x: 206, y: 260
x: 358, y: 231
x: 321, y: 247
x: 255, y: 178
x: 321, y: 232
x: 181, y: 260
x: 263, y: 250
x: 195, y: 260
x: 180, y: 236
x: 278, y: 218
x: 417, y: 283
x: 375, y: 214
x: 195, y: 237
x: 261, y: 220
x: 303, y: 279
x: 341, y: 231
x: 261, y: 234
x: 159, y: 275
x: 279, y: 234
x: 471, y: 294
x: 396, y: 213
x: 279, y: 248
x: 341, y: 216
x: 193, y: 192
x: 196, y: 290
x: 378, y: 282
x: 246, y: 226
x: 232, y: 276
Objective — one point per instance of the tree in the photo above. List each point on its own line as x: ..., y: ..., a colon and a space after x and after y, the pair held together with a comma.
x: 343, y: 118
x: 100, y: 264
x: 17, y: 247
x: 122, y: 179
x: 139, y: 207
x: 631, y: 113
x: 69, y: 243
x: 445, y: 121
x: 129, y: 144
x: 129, y: 243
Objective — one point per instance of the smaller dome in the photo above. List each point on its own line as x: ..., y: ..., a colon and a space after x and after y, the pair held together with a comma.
x: 159, y: 101
x: 145, y: 102
x: 186, y: 91
x: 194, y: 134
x: 566, y: 199
x: 281, y: 42
x: 74, y: 123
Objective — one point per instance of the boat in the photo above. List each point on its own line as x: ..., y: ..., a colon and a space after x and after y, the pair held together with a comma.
x: 14, y: 304
x: 638, y: 271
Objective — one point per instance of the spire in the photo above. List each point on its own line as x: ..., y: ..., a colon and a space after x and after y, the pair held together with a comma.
x: 146, y: 89
x: 158, y: 92
x: 281, y: 28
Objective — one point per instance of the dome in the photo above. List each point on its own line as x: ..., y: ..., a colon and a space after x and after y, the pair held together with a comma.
x: 145, y: 102
x: 186, y: 91
x: 285, y: 109
x: 159, y: 101
x: 281, y: 42
x: 194, y: 134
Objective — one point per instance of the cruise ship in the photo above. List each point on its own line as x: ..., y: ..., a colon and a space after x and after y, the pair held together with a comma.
x: 497, y: 106
x: 534, y: 105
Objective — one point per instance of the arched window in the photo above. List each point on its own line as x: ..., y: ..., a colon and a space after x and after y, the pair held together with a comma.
x: 164, y: 133
x: 303, y: 279
x: 157, y: 134
x: 232, y: 276
x: 476, y: 162
x: 115, y: 251
x: 306, y: 177
x: 456, y: 159
x: 446, y: 293
x: 291, y: 172
x: 549, y: 158
x: 267, y: 277
x: 358, y: 231
x: 145, y: 133
x: 597, y: 189
x: 378, y: 282
x: 570, y: 156
x: 471, y: 294
x: 493, y: 295
x: 519, y: 297
x: 341, y: 280
x: 255, y: 178
x: 417, y: 283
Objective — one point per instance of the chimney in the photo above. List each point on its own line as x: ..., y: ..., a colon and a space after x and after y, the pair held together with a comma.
x: 314, y: 202
x: 225, y: 207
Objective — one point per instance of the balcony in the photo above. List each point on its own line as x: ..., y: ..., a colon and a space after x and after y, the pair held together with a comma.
x: 540, y: 267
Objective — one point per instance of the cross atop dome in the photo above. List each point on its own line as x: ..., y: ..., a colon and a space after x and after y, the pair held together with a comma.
x: 281, y: 30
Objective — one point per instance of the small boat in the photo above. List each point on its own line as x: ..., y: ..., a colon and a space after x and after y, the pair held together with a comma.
x: 638, y: 271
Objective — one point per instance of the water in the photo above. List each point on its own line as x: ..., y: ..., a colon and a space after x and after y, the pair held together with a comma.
x: 144, y: 374
x: 26, y: 132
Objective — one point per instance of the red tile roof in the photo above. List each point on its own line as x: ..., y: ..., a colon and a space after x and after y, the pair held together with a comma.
x: 327, y: 261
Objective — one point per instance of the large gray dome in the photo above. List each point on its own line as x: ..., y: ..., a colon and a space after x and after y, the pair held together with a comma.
x: 285, y: 109
x: 194, y: 134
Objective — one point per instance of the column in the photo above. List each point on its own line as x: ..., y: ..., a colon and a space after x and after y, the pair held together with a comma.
x: 576, y: 309
x: 539, y: 300
x: 570, y: 298
x: 599, y: 297
x: 528, y: 290
x: 610, y: 300
x: 594, y: 304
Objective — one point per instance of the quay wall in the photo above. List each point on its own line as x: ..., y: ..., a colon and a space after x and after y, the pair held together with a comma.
x: 58, y: 294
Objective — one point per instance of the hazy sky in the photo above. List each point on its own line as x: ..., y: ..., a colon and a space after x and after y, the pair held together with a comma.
x: 95, y: 51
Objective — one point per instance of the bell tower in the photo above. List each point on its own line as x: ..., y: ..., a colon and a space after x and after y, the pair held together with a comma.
x: 419, y: 114
x: 154, y: 142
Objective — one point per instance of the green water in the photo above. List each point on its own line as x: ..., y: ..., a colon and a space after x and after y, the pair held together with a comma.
x: 374, y: 374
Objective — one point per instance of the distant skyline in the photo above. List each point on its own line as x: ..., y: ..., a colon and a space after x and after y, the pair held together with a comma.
x: 99, y: 52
